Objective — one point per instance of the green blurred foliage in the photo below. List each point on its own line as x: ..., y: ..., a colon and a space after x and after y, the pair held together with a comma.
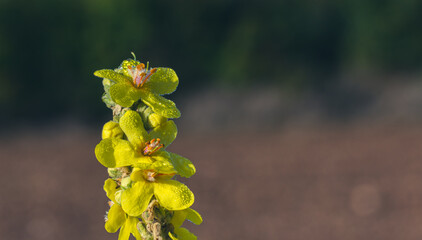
x: 50, y: 48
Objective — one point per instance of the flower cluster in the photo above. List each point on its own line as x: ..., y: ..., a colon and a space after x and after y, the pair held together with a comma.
x: 145, y: 199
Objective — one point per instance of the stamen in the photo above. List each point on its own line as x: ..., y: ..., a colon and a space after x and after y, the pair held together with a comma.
x: 150, y: 176
x: 139, y: 74
x: 152, y: 146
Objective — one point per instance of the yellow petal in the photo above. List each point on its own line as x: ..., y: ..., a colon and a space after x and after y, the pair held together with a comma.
x: 133, y: 222
x: 124, y: 94
x: 173, y: 195
x: 193, y: 216
x: 112, y: 75
x: 115, y: 218
x: 183, y: 166
x: 136, y: 199
x: 107, y: 155
x: 166, y: 132
x: 163, y: 81
x: 110, y: 187
x: 124, y: 233
x: 182, y: 234
x: 159, y: 104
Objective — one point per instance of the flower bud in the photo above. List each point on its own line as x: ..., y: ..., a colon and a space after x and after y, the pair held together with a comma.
x: 112, y: 130
x: 114, y: 173
x: 118, y: 196
x: 126, y: 183
x: 156, y: 120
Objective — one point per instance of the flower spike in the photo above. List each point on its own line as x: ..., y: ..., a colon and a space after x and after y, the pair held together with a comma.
x: 145, y: 201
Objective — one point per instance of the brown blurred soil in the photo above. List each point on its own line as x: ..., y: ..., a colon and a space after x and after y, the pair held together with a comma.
x: 332, y: 182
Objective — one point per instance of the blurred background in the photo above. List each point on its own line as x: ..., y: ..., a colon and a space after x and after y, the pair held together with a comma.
x: 303, y: 118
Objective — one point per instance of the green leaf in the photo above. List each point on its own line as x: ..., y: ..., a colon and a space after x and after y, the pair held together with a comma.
x: 183, y: 166
x: 166, y: 132
x: 112, y: 75
x: 160, y: 105
x: 125, y: 94
x: 136, y: 199
x: 115, y: 219
x: 172, y: 194
x: 163, y: 81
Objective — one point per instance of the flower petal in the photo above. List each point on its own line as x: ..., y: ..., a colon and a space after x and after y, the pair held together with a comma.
x: 124, y: 233
x: 124, y: 94
x: 112, y: 75
x: 183, y: 166
x: 160, y: 105
x: 173, y: 195
x: 163, y: 81
x: 163, y: 167
x: 132, y: 125
x: 166, y: 132
x: 136, y: 199
x: 188, y: 213
x: 115, y: 218
x: 178, y: 218
x: 105, y: 152
x: 193, y: 216
x: 182, y: 234
x: 110, y: 187
x: 133, y: 222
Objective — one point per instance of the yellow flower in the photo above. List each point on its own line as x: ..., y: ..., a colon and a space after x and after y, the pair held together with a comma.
x: 116, y: 218
x: 132, y: 81
x: 171, y: 194
x: 141, y: 149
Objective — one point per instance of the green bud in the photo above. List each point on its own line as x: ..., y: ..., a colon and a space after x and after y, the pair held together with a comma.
x: 112, y: 130
x: 126, y: 183
x: 114, y: 173
x: 118, y: 196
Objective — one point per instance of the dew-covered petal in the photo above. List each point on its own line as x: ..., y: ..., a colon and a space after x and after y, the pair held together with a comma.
x: 124, y: 94
x: 173, y: 195
x: 166, y: 132
x: 132, y: 125
x: 110, y: 187
x: 105, y: 152
x: 183, y: 166
x: 135, y: 200
x: 112, y: 75
x: 163, y: 81
x: 115, y: 218
x: 160, y: 105
x: 163, y: 167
